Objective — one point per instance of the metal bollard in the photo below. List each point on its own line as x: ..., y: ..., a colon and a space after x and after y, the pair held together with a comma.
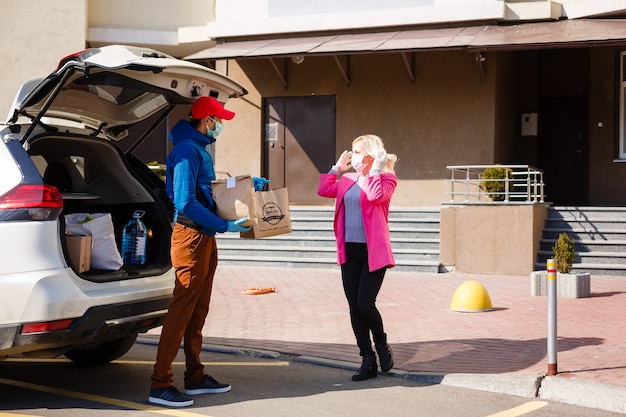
x: 552, y: 295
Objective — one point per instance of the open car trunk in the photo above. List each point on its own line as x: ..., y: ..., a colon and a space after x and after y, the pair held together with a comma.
x: 71, y: 123
x: 93, y: 176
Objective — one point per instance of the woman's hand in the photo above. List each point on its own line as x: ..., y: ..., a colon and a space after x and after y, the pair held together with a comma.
x: 380, y: 159
x: 343, y: 162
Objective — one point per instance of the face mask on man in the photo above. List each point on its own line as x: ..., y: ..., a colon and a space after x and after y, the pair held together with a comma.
x: 215, y: 132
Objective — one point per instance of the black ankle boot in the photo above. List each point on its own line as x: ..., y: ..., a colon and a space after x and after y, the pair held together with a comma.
x: 385, y: 355
x: 368, y: 368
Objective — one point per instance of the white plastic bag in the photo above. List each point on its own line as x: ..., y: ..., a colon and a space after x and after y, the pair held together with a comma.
x: 104, y: 252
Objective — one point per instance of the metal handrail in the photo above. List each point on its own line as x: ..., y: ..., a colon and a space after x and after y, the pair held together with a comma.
x: 524, y: 185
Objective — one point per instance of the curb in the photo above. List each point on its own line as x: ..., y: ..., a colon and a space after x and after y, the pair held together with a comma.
x: 560, y: 389
x: 576, y: 392
x: 256, y: 353
x: 518, y: 385
x: 588, y: 394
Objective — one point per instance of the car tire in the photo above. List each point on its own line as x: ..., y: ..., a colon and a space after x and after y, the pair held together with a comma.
x: 103, y: 353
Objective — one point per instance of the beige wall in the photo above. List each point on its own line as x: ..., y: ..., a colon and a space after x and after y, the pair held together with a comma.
x: 447, y: 117
x: 34, y: 38
x: 150, y: 14
x: 491, y: 239
x: 178, y: 28
x: 239, y: 146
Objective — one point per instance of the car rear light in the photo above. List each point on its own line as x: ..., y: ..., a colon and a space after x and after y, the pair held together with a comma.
x: 31, y: 202
x: 79, y: 56
x: 46, y: 326
x: 148, y: 323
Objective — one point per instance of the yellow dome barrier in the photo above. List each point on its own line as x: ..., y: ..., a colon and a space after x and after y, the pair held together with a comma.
x: 471, y: 297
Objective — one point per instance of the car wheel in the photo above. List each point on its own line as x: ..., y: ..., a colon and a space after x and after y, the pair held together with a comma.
x: 103, y: 353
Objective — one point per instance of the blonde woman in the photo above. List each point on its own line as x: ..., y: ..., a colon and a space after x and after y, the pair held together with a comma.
x: 364, y: 253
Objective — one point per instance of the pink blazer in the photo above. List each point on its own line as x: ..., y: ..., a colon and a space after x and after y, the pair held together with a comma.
x: 377, y: 192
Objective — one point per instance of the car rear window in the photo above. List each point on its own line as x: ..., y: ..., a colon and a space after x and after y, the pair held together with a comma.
x: 109, y: 87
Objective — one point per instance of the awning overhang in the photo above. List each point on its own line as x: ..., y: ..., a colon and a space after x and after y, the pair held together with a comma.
x: 554, y: 34
x: 578, y: 33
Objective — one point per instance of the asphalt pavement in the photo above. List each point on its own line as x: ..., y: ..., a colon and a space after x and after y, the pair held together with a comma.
x: 502, y: 350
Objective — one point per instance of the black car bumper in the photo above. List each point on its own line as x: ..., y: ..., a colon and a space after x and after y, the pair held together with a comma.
x: 98, y: 324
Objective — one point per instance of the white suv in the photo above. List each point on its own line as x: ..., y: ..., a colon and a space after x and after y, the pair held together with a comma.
x: 58, y: 156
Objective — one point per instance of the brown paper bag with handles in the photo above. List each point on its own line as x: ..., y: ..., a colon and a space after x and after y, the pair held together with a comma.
x: 235, y: 198
x: 272, y: 214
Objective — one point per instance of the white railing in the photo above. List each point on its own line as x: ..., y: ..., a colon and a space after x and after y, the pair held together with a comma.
x: 524, y: 184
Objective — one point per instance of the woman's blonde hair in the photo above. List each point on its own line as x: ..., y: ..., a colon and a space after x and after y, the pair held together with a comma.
x: 371, y: 144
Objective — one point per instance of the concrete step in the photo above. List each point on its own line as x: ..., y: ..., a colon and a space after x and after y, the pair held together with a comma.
x: 589, y: 245
x: 311, y: 244
x: 316, y: 252
x: 326, y: 263
x: 306, y: 241
x: 593, y: 269
x: 599, y: 235
x: 587, y: 213
x: 394, y: 213
x: 588, y: 225
x: 586, y: 233
x: 396, y: 233
x: 606, y: 258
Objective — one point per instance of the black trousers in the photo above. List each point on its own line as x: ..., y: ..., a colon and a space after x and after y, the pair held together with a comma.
x: 361, y: 288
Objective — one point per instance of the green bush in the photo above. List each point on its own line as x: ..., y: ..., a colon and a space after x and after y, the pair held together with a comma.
x: 489, y: 182
x: 564, y: 253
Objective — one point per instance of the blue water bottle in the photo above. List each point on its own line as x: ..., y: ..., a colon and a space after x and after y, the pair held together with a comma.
x: 134, y: 238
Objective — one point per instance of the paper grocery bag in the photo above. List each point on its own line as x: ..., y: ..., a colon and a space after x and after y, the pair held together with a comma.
x: 235, y: 198
x: 272, y: 214
x: 104, y: 252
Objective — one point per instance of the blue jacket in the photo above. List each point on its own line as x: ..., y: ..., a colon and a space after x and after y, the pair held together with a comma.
x: 188, y: 179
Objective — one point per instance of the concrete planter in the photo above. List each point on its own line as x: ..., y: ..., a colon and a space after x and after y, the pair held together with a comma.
x: 568, y: 285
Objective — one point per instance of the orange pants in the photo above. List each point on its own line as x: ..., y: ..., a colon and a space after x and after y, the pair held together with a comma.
x: 194, y: 257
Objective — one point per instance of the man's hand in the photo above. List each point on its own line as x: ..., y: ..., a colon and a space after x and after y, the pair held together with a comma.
x: 260, y: 183
x: 235, y: 225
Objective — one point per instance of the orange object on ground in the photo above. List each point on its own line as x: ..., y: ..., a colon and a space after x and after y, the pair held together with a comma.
x: 257, y: 291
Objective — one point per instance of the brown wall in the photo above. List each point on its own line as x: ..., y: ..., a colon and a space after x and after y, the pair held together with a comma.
x: 506, y: 120
x: 607, y: 178
x: 447, y: 117
x: 526, y: 91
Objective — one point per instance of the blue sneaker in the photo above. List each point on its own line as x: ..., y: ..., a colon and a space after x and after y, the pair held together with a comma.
x: 208, y: 385
x: 169, y: 396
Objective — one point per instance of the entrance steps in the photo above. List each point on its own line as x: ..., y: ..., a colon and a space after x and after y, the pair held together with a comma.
x: 599, y: 234
x: 311, y: 244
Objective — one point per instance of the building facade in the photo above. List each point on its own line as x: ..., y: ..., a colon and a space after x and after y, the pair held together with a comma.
x: 443, y: 82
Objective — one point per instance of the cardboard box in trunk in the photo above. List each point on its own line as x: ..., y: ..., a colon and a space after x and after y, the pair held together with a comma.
x: 80, y: 251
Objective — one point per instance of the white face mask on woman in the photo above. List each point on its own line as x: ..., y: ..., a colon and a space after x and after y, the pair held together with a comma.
x: 357, y: 162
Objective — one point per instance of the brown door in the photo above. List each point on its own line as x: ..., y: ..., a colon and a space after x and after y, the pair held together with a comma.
x: 299, y: 144
x: 564, y: 149
x: 563, y: 130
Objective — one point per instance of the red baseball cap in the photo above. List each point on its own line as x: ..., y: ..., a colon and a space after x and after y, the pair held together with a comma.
x: 208, y: 106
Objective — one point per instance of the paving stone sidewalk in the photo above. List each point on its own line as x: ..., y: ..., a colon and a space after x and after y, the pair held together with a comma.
x: 308, y: 316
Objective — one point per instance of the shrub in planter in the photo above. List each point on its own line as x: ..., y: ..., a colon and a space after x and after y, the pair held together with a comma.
x: 569, y: 285
x: 493, y: 182
x: 564, y: 253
